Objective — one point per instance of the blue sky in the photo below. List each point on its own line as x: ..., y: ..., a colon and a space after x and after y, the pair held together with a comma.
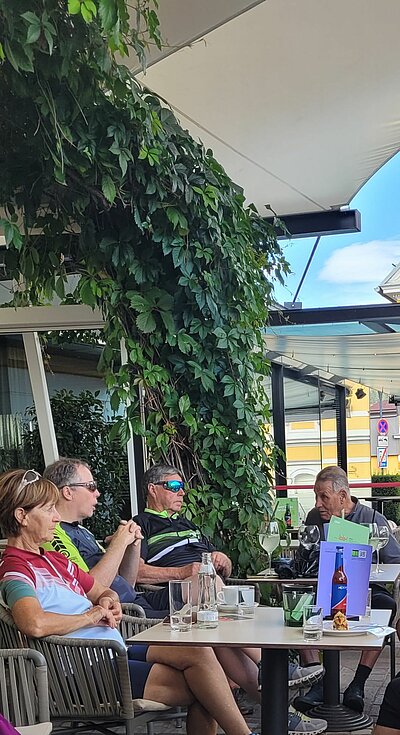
x: 347, y: 268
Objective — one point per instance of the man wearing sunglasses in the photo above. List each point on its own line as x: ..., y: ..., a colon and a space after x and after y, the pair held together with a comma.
x: 172, y: 545
x: 117, y: 565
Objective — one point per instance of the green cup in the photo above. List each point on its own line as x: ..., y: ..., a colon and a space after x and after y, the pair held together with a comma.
x: 295, y: 597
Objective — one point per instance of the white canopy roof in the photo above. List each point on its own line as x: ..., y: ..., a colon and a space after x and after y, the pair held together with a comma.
x: 299, y: 99
x: 369, y: 359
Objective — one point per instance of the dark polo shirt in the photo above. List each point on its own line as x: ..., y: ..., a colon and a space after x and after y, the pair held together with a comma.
x: 170, y: 541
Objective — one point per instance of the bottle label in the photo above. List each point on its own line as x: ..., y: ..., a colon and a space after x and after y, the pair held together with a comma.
x: 207, y: 616
x: 339, y: 598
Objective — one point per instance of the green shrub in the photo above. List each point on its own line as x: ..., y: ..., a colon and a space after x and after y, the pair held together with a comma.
x: 83, y: 432
x: 391, y: 510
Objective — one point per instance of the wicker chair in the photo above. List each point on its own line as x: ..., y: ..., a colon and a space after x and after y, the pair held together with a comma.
x: 131, y: 608
x: 89, y: 679
x: 24, y: 698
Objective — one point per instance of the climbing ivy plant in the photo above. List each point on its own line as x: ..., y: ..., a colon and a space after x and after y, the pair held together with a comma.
x: 98, y: 178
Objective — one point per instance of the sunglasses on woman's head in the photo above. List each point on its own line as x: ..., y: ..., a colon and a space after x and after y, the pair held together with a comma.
x: 172, y: 485
x: 28, y: 478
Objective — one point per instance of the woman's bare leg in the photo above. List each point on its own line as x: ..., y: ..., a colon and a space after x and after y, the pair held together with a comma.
x: 168, y: 686
x: 206, y: 680
x: 241, y: 668
x: 380, y: 730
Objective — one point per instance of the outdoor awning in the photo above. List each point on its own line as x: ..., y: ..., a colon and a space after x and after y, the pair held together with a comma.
x: 299, y: 100
x: 370, y: 359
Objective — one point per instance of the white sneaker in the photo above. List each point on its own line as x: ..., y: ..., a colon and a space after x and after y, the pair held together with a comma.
x: 301, y: 675
x: 298, y: 723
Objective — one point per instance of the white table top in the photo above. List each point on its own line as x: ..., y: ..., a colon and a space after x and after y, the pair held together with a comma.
x: 388, y: 575
x: 265, y: 630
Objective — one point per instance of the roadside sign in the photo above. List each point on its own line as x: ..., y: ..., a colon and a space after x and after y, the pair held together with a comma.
x: 383, y: 441
x: 382, y: 455
x: 383, y: 426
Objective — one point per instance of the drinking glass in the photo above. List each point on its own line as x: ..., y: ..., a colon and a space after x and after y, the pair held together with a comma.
x: 374, y: 540
x: 309, y: 536
x: 312, y: 623
x: 294, y: 598
x: 383, y: 539
x: 180, y: 604
x: 269, y: 538
x: 367, y: 614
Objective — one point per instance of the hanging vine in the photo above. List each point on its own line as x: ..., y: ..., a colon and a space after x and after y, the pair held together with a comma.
x: 98, y: 178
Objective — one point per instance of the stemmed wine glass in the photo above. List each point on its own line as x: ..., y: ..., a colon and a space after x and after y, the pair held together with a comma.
x: 309, y: 536
x: 383, y: 539
x: 378, y: 538
x: 269, y: 538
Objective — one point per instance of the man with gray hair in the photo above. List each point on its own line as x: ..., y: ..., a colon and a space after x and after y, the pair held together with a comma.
x: 172, y: 545
x: 333, y: 498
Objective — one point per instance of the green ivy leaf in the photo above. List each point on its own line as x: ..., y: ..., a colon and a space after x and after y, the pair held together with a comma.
x: 33, y: 34
x: 146, y: 322
x: 74, y: 7
x: 168, y: 321
x: 86, y: 14
x: 108, y: 14
x: 108, y: 188
x: 137, y: 301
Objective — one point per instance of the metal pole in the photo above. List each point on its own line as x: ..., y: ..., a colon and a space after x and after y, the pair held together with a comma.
x: 341, y: 431
x: 278, y: 421
x: 41, y: 398
x: 130, y: 450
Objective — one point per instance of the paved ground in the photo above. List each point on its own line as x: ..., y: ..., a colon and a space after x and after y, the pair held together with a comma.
x: 375, y: 688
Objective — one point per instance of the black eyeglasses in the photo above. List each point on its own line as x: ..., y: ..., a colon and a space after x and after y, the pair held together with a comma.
x: 91, y: 486
x: 172, y: 485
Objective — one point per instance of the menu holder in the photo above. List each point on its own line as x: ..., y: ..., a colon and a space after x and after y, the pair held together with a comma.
x: 357, y: 567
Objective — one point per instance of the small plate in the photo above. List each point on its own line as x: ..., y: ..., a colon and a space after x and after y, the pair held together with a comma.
x: 353, y: 629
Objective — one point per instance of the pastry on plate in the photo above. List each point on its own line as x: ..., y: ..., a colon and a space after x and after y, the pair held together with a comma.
x: 340, y: 622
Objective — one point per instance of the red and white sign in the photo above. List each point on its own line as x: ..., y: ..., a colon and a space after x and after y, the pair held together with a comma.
x: 382, y: 426
x: 382, y: 456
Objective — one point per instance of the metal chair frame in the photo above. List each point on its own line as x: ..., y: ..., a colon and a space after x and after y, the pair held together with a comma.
x: 24, y: 699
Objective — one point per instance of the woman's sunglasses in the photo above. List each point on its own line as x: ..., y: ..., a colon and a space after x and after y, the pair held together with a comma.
x: 28, y: 478
x: 172, y: 485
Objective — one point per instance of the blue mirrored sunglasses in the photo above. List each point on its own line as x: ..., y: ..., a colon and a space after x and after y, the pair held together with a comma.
x: 172, y: 485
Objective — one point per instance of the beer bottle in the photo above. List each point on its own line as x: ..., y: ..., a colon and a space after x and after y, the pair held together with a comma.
x: 339, y: 585
x: 288, y: 516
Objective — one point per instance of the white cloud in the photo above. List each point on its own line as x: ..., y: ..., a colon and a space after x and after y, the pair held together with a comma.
x: 369, y: 262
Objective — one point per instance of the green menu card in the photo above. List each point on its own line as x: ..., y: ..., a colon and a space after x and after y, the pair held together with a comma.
x: 349, y: 533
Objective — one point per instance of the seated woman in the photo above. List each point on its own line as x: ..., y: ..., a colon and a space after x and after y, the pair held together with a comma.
x: 48, y: 595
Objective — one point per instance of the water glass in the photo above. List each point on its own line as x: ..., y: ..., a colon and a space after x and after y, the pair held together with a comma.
x: 367, y: 613
x: 295, y: 598
x: 312, y: 623
x: 180, y: 604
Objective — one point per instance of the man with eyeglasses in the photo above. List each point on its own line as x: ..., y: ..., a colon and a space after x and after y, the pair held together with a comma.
x: 117, y: 565
x: 172, y: 545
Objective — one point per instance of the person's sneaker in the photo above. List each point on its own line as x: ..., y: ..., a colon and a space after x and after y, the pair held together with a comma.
x: 298, y: 723
x: 242, y: 702
x: 301, y: 675
x: 313, y: 698
x: 353, y: 697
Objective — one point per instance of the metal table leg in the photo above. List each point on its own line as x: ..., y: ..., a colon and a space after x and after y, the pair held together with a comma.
x: 274, y: 691
x: 339, y: 717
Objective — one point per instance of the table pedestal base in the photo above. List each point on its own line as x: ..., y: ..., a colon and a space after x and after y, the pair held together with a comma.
x: 340, y: 718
